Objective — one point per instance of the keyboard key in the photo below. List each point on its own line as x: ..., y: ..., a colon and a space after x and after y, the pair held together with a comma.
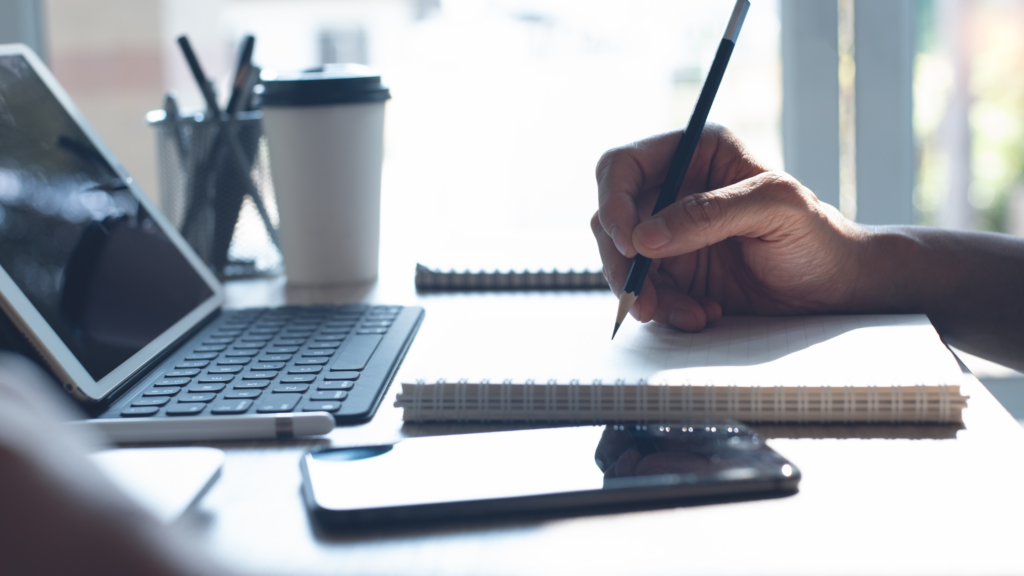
x: 343, y: 375
x: 235, y: 407
x: 283, y: 350
x: 314, y: 353
x: 257, y: 338
x: 161, y: 392
x: 265, y: 330
x: 225, y: 370
x: 332, y: 334
x: 185, y: 409
x: 234, y: 361
x: 140, y: 411
x: 329, y: 395
x: 242, y: 394
x: 377, y: 324
x: 300, y: 388
x: 201, y: 356
x: 372, y: 331
x: 297, y: 332
x: 275, y: 358
x: 357, y: 353
x: 278, y: 403
x: 251, y: 384
x: 234, y: 352
x: 187, y: 373
x: 267, y: 366
x: 312, y: 361
x: 198, y: 397
x: 305, y: 369
x: 336, y: 385
x: 216, y: 378
x: 192, y: 364
x: 263, y: 375
x: 249, y: 345
x: 322, y: 407
x: 153, y: 401
x: 289, y: 342
x: 214, y: 340
x: 172, y: 382
x: 298, y: 379
x: 228, y: 332
x: 212, y: 348
x: 325, y: 344
x: 206, y: 387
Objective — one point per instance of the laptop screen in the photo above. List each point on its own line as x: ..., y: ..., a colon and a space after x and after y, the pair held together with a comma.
x: 75, y: 240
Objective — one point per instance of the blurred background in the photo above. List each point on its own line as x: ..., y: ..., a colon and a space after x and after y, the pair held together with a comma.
x: 895, y: 111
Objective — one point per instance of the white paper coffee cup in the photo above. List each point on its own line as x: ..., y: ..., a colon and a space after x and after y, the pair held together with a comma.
x: 325, y: 133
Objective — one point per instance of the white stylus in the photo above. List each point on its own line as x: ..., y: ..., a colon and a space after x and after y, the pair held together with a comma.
x: 185, y: 428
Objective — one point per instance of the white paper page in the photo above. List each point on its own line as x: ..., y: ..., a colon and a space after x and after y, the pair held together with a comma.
x: 859, y: 350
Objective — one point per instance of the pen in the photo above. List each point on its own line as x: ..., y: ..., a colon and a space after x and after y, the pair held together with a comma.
x: 197, y: 71
x: 241, y: 74
x: 683, y: 155
x: 255, y: 427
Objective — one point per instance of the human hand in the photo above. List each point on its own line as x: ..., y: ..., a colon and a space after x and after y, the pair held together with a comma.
x: 740, y: 239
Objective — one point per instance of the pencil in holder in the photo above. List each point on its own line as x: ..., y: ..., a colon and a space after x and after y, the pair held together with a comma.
x: 215, y: 187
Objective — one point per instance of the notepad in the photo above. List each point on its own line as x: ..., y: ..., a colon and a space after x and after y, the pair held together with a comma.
x: 843, y: 369
x: 550, y: 259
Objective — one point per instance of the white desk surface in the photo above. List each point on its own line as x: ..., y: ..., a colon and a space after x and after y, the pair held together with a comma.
x: 878, y: 506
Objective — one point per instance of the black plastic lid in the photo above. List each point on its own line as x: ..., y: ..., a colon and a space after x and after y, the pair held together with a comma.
x: 331, y: 84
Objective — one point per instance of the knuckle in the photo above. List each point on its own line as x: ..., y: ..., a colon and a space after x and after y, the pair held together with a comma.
x: 700, y: 211
x: 609, y: 159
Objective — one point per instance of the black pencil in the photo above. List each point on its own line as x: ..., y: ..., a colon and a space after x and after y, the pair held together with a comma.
x: 683, y: 155
x: 204, y: 86
x: 241, y: 75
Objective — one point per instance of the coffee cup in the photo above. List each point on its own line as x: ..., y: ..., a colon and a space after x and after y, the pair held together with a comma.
x: 325, y: 135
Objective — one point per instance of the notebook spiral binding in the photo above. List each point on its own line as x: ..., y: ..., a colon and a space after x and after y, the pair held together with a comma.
x: 641, y: 401
x: 433, y: 279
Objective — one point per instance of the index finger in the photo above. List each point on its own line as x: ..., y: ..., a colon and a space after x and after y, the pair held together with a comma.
x: 622, y: 174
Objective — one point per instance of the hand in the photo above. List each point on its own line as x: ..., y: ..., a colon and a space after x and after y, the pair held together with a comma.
x: 740, y: 239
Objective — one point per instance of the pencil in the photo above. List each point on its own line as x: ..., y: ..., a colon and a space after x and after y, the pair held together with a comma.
x: 241, y: 75
x: 683, y: 155
x: 204, y: 86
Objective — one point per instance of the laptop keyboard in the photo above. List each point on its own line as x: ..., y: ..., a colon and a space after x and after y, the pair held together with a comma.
x: 336, y: 359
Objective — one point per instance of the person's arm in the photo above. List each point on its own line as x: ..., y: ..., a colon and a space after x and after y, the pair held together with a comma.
x: 58, y: 513
x: 970, y: 284
x: 742, y: 239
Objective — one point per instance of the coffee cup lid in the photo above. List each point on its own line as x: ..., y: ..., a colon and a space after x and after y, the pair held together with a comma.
x: 326, y: 85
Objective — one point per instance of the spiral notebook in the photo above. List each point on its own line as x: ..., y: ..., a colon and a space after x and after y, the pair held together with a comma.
x: 888, y: 369
x: 520, y: 260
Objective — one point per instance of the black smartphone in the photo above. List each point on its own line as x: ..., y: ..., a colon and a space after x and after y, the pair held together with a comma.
x: 553, y: 470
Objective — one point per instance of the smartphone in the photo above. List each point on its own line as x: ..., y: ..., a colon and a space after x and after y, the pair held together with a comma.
x: 553, y: 470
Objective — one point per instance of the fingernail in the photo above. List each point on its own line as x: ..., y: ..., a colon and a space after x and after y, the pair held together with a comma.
x: 654, y: 233
x: 709, y: 312
x: 682, y: 319
x: 618, y: 238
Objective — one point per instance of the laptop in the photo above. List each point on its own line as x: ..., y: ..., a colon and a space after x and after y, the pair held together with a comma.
x: 124, y: 313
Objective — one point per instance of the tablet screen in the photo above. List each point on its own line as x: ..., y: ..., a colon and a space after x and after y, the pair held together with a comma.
x: 75, y: 239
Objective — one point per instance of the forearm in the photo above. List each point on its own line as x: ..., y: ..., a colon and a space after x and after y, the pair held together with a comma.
x: 970, y: 284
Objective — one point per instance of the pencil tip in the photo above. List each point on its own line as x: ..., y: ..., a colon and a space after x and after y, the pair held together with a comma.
x: 616, y: 331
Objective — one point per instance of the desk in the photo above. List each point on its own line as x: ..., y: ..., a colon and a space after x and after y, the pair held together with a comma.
x: 925, y: 506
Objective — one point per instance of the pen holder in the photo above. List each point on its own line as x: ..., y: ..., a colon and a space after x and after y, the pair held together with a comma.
x: 215, y: 187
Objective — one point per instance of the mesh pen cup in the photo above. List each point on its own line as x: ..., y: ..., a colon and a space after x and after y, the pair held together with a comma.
x: 215, y: 187
x: 325, y: 134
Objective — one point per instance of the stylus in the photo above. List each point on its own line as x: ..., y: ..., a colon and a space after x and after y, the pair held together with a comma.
x: 191, y: 428
x: 684, y: 153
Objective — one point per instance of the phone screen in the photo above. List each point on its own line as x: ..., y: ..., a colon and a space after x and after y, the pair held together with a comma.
x: 470, y: 474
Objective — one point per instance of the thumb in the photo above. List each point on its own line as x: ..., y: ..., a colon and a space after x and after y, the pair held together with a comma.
x: 750, y: 208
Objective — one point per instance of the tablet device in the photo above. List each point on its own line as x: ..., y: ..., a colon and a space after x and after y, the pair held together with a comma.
x: 555, y: 470
x: 89, y: 268
x: 128, y: 318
